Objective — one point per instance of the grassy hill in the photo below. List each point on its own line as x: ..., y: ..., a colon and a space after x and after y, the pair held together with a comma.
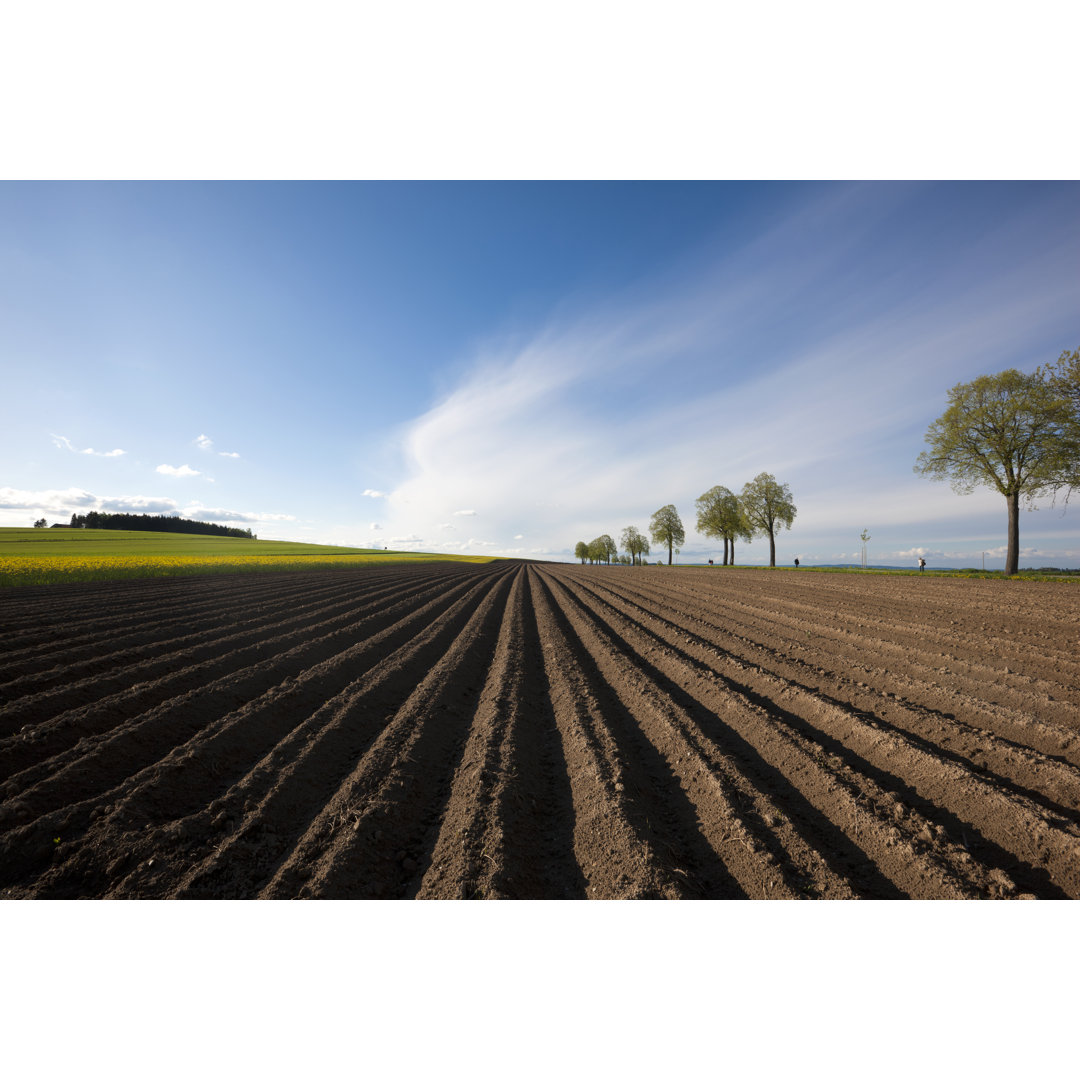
x: 49, y: 556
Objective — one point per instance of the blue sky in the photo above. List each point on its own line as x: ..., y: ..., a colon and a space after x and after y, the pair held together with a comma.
x: 508, y: 368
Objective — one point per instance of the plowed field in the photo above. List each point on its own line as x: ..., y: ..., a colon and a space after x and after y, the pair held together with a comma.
x: 541, y: 731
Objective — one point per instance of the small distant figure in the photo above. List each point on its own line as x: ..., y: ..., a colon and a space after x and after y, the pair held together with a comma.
x: 796, y: 564
x: 922, y: 564
x: 710, y: 562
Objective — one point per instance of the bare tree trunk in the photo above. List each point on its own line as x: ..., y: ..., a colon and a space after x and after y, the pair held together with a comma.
x: 733, y: 551
x: 1012, y: 557
x: 669, y: 546
x: 725, y: 551
x: 772, y: 549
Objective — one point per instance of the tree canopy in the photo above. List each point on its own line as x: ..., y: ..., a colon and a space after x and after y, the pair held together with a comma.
x: 766, y: 505
x: 1016, y: 433
x: 667, y: 528
x: 719, y: 515
x: 1064, y: 378
x: 634, y: 543
x: 581, y: 551
x: 95, y: 519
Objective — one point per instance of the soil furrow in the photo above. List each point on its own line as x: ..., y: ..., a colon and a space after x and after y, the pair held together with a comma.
x: 390, y: 802
x: 176, y: 641
x: 1014, y: 834
x: 327, y: 720
x: 789, y: 838
x: 1045, y: 773
x: 907, y: 661
x: 614, y: 839
x: 517, y: 730
x: 97, y: 765
x: 822, y: 793
x: 508, y: 828
x: 168, y: 676
x: 229, y: 680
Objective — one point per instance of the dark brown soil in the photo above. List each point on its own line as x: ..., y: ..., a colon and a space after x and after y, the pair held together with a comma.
x: 541, y: 731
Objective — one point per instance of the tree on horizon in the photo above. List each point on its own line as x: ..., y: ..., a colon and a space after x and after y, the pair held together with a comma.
x: 767, y: 505
x: 666, y: 527
x: 635, y: 544
x: 1018, y: 434
x: 720, y: 516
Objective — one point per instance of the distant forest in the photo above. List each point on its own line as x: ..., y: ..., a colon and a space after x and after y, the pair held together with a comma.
x: 155, y: 523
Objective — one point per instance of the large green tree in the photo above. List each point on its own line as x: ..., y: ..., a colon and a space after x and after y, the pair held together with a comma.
x: 667, y: 528
x: 608, y: 546
x: 1064, y: 378
x: 766, y: 505
x: 581, y: 551
x: 720, y: 516
x: 599, y: 551
x: 1013, y: 432
x: 634, y: 543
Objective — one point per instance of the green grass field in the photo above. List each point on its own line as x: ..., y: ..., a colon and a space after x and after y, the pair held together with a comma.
x: 52, y: 556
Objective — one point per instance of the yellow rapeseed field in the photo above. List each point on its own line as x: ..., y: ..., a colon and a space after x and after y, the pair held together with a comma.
x: 57, y: 569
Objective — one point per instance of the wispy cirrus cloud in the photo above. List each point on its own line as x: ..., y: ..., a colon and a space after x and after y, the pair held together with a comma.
x: 371, y: 493
x: 600, y: 418
x: 64, y: 443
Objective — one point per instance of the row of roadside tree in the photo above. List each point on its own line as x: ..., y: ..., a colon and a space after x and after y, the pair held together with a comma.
x: 761, y: 509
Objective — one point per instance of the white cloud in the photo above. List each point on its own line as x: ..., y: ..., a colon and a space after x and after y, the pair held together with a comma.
x: 174, y: 470
x: 204, y: 442
x: 446, y: 526
x: 63, y: 503
x: 464, y: 513
x: 73, y: 500
x: 519, y: 536
x: 375, y: 527
x: 371, y: 493
x: 50, y: 500
x: 65, y: 444
x: 136, y: 504
x: 401, y: 541
x: 197, y: 512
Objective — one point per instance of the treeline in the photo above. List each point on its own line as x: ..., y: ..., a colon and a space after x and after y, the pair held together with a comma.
x: 760, y: 509
x: 95, y: 519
